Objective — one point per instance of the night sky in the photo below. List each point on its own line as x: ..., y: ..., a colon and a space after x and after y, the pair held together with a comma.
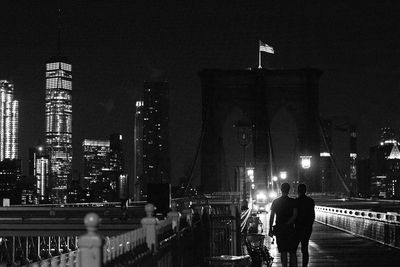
x: 114, y: 46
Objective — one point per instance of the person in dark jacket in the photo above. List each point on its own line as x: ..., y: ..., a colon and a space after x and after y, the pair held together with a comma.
x: 304, y: 221
x: 284, y: 208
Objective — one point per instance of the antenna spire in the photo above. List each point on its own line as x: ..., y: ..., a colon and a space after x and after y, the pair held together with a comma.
x: 59, y: 31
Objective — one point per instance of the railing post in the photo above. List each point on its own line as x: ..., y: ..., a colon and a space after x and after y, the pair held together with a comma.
x: 187, y: 213
x: 198, y: 210
x: 63, y: 260
x: 91, y: 244
x: 149, y: 223
x: 175, y: 217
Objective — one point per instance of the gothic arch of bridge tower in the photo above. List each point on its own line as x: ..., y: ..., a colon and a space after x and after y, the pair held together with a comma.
x: 259, y: 93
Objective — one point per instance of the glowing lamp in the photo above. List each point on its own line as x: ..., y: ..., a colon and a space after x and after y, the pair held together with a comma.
x: 305, y: 162
x: 283, y: 175
x: 274, y: 178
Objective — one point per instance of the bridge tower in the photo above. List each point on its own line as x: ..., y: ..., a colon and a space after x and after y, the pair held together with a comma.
x: 259, y: 93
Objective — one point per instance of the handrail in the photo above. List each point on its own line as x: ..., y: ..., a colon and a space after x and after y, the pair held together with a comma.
x: 67, y: 259
x: 153, y: 238
x: 389, y: 217
x: 118, y: 245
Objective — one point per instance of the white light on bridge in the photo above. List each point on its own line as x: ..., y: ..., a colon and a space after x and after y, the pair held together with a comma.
x: 305, y: 162
x: 261, y: 196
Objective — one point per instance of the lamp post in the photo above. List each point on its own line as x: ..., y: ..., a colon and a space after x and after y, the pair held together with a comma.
x: 250, y: 174
x: 305, y: 164
x: 244, y: 136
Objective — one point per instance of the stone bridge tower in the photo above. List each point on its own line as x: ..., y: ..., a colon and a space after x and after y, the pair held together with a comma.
x: 259, y: 93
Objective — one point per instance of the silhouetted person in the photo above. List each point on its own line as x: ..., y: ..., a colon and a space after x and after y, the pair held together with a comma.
x: 285, y: 210
x: 304, y: 221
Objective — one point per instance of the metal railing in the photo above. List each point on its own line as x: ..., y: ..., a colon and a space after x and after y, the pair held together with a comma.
x: 70, y: 259
x: 125, y: 243
x: 20, y: 250
x: 377, y: 226
x: 389, y: 217
x: 153, y: 244
x: 183, y: 238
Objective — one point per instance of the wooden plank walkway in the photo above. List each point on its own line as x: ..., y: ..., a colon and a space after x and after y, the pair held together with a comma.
x: 332, y: 247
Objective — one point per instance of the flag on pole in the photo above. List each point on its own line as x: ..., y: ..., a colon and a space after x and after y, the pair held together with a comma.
x: 266, y: 48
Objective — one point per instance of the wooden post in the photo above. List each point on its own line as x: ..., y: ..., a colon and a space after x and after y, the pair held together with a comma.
x: 149, y: 223
x: 91, y: 244
x: 175, y: 217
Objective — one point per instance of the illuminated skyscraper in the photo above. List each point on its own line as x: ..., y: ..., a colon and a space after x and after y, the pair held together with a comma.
x: 58, y: 113
x: 117, y: 166
x: 156, y: 161
x: 96, y: 154
x: 39, y: 170
x: 8, y: 121
x: 138, y: 152
x: 385, y: 166
x: 103, y: 169
x: 117, y: 160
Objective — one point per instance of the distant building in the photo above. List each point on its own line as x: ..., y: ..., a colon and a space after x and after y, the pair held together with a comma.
x: 28, y: 190
x: 103, y: 169
x: 58, y: 113
x: 76, y: 194
x: 39, y: 170
x: 385, y: 166
x: 156, y: 160
x: 117, y: 160
x: 96, y: 154
x: 138, y: 152
x: 117, y: 166
x: 10, y: 177
x: 8, y: 121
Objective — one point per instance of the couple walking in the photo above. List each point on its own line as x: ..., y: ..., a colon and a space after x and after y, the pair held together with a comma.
x: 293, y: 225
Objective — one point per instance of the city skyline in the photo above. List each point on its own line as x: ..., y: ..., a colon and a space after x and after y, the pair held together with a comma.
x: 199, y: 133
x: 128, y: 48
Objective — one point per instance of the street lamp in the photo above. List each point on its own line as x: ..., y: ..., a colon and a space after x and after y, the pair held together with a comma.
x: 250, y: 174
x: 283, y: 175
x: 305, y: 162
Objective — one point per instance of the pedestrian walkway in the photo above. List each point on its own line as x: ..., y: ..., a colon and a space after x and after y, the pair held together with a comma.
x: 332, y: 247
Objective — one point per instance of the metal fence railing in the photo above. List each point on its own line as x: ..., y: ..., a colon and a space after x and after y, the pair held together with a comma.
x: 202, y: 228
x: 377, y: 226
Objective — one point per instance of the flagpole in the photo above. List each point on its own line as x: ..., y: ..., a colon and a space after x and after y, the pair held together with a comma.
x: 259, y: 55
